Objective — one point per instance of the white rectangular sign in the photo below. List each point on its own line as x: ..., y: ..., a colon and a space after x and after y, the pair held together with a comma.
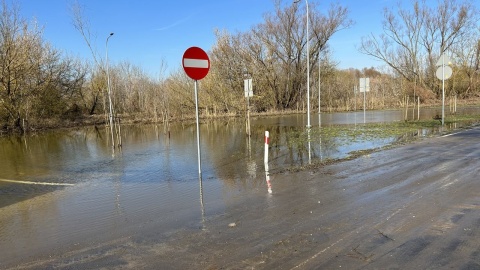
x: 195, y: 63
x: 248, y: 88
x: 364, y: 85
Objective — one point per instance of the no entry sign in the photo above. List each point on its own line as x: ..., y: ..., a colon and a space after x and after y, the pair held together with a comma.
x: 196, y: 63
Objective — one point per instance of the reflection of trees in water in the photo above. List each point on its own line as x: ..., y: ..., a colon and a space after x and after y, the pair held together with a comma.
x: 231, y: 156
x: 83, y: 153
x: 54, y: 155
x: 289, y: 145
x: 36, y: 158
x: 35, y: 154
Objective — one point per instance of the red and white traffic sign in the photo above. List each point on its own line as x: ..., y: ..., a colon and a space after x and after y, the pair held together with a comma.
x: 196, y: 63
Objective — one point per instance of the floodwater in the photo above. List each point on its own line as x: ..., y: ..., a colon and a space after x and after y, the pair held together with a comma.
x: 64, y: 189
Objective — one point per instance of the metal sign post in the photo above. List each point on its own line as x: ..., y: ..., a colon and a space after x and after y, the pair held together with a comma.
x: 196, y: 64
x: 364, y: 87
x: 248, y: 93
x: 198, y: 133
x: 443, y: 72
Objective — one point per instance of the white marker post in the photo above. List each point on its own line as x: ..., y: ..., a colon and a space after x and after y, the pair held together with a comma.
x: 265, y: 159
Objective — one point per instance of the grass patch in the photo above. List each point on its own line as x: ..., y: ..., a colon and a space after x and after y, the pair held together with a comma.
x: 389, y: 134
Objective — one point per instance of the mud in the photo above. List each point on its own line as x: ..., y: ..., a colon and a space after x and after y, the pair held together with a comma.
x: 415, y: 206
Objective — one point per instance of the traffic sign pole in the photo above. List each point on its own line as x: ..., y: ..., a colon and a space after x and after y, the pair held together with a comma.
x: 443, y: 74
x: 443, y: 91
x: 198, y: 133
x: 196, y: 64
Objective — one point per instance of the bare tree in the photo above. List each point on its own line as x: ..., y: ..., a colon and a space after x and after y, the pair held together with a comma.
x: 274, y: 54
x: 466, y: 56
x: 414, y: 38
x: 95, y: 93
x: 36, y: 81
x: 16, y: 40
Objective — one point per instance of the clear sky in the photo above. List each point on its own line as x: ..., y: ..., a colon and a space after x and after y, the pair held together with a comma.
x: 149, y: 31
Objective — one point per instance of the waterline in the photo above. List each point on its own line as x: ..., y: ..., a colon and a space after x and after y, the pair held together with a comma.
x: 35, y: 183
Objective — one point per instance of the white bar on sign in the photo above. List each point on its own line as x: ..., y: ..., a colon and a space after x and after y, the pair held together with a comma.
x: 195, y: 63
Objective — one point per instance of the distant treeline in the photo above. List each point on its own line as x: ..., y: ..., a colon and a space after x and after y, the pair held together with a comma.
x: 41, y: 87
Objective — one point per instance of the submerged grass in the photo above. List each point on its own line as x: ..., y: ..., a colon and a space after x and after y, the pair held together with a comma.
x: 390, y: 133
x: 373, y: 131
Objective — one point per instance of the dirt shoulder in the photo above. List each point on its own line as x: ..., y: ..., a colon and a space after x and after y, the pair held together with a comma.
x: 415, y: 206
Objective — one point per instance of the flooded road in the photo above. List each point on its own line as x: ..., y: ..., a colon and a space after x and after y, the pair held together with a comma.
x: 147, y: 200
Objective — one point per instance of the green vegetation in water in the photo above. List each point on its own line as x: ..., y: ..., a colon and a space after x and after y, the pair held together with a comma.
x: 392, y: 133
x: 396, y: 131
x: 387, y: 134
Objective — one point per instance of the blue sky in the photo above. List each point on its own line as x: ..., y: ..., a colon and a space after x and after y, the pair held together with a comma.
x: 149, y: 31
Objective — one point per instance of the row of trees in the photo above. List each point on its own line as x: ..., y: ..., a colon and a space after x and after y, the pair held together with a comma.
x: 36, y: 81
x: 273, y: 53
x: 414, y: 38
x: 40, y: 86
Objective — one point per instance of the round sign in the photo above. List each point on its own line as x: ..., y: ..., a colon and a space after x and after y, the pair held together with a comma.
x: 444, y: 74
x: 196, y: 63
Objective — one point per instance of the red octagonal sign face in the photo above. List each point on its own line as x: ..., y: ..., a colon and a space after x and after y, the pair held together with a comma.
x: 196, y: 63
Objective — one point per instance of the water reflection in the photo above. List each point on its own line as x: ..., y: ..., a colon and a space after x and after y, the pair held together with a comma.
x: 269, y: 184
x: 202, y: 205
x: 73, y: 156
x: 309, y: 146
x: 266, y: 161
x: 154, y: 175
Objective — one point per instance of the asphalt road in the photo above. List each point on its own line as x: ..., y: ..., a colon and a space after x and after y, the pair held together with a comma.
x: 415, y: 206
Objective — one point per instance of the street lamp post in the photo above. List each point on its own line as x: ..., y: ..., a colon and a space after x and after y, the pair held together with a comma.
x: 109, y: 92
x: 308, y: 69
x: 319, y: 81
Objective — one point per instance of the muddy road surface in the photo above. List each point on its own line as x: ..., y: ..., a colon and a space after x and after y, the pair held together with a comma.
x: 415, y: 206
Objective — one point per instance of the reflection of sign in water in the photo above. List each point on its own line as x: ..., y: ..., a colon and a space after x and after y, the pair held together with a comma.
x: 252, y: 168
x: 267, y: 174
x: 364, y: 85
